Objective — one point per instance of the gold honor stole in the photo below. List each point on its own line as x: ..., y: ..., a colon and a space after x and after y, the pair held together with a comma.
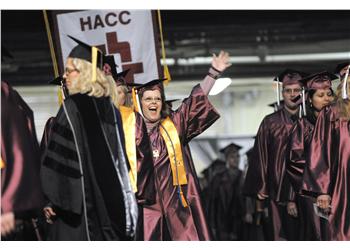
x: 2, y: 163
x: 172, y: 141
x: 129, y: 127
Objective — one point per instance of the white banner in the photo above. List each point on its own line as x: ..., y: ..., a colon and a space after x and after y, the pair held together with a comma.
x: 127, y: 34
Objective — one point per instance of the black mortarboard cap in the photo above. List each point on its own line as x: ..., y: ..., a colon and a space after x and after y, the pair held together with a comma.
x: 111, y: 63
x: 340, y: 66
x: 275, y: 106
x: 156, y: 83
x: 123, y: 73
x: 120, y: 78
x: 60, y: 81
x: 152, y: 83
x: 290, y: 76
x: 56, y: 81
x: 84, y: 51
x: 134, y: 84
x: 231, y: 146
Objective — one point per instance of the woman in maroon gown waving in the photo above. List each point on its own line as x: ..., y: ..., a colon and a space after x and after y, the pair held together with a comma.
x: 177, y: 213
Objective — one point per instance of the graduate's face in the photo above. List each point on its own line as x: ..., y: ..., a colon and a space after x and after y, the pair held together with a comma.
x: 151, y: 103
x: 232, y: 159
x: 290, y: 92
x: 321, y: 98
x: 71, y: 75
x: 121, y: 95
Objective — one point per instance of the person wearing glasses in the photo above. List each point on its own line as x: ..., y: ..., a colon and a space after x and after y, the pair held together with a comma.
x: 84, y: 170
x: 266, y: 179
x: 178, y: 213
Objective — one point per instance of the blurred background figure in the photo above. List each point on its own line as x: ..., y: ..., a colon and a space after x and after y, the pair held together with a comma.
x: 21, y: 194
x: 254, y: 211
x: 224, y: 196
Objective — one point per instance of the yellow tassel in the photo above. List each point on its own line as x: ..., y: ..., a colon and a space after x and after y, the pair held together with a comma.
x: 166, y: 75
x: 94, y: 64
x: 2, y: 163
x: 183, y: 200
x: 165, y: 67
x: 134, y: 100
x: 60, y: 96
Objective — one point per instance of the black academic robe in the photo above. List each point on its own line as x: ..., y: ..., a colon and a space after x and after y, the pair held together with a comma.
x: 84, y: 173
x: 225, y: 204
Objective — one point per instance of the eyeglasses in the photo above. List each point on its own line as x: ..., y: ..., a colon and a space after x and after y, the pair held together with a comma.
x: 67, y: 71
x: 150, y: 99
x: 290, y: 91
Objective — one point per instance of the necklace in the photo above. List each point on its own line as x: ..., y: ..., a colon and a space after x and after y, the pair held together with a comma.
x: 155, y: 151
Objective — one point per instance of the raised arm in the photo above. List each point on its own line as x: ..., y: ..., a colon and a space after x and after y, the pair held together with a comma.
x: 218, y: 65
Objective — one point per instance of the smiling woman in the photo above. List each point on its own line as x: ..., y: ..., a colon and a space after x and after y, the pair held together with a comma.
x: 177, y: 213
x: 152, y: 99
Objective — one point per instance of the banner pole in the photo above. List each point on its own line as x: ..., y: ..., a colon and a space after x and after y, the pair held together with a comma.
x: 53, y: 55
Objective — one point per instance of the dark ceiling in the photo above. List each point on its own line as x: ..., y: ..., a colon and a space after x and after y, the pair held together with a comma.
x: 198, y: 33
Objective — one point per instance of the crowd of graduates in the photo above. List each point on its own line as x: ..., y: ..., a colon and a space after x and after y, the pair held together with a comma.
x: 115, y: 163
x: 295, y: 182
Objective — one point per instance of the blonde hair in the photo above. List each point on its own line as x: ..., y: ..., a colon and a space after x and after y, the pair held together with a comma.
x: 343, y: 105
x: 128, y: 101
x: 104, y: 85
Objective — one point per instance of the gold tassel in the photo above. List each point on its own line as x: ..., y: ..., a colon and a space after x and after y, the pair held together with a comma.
x: 94, y: 63
x: 166, y: 72
x: 182, y: 197
x: 60, y: 96
x: 134, y: 100
x: 2, y: 163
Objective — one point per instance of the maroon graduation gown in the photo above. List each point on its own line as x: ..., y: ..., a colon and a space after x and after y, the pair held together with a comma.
x: 20, y: 183
x: 267, y: 176
x: 329, y: 168
x: 312, y: 226
x: 145, y: 171
x: 167, y: 219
